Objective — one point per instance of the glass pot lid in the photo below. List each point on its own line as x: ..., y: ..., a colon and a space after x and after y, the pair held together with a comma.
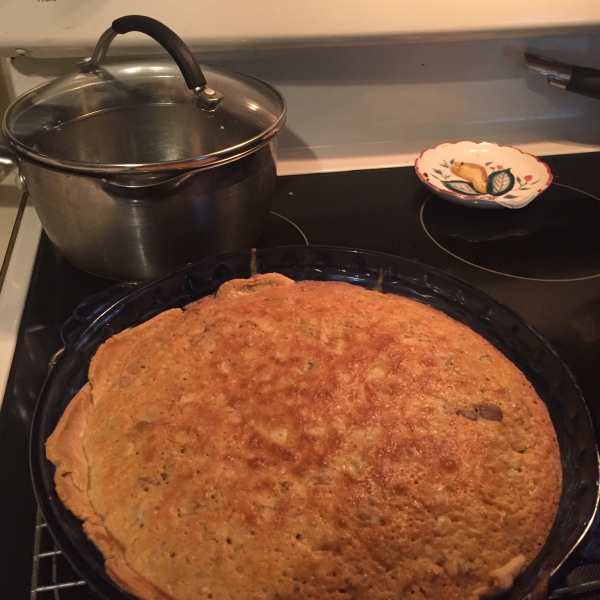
x: 146, y: 115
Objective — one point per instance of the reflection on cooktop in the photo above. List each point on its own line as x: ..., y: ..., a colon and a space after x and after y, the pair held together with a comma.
x: 553, y: 238
x: 280, y: 231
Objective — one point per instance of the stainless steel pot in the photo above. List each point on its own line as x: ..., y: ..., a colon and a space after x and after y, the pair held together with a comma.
x: 140, y: 168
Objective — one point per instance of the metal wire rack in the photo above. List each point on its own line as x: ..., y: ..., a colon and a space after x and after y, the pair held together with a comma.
x: 53, y: 577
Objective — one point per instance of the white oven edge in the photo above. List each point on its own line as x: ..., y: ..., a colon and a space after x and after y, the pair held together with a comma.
x: 14, y: 289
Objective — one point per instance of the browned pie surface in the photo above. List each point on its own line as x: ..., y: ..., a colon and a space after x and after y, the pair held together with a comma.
x: 302, y: 441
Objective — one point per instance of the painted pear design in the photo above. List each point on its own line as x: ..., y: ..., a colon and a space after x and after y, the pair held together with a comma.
x: 473, y: 173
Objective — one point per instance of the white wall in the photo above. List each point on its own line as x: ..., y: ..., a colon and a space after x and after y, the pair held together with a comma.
x: 71, y: 27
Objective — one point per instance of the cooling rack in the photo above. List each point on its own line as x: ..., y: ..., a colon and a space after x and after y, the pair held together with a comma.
x: 53, y: 577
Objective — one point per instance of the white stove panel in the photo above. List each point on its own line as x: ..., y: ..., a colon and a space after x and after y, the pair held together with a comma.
x: 71, y: 27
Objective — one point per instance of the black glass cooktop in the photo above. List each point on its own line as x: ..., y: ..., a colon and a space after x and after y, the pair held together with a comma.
x: 543, y: 261
x: 552, y: 239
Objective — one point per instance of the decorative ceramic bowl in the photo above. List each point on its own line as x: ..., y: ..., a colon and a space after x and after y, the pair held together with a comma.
x: 483, y: 175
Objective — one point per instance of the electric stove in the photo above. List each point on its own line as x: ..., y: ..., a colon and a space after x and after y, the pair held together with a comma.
x: 543, y: 261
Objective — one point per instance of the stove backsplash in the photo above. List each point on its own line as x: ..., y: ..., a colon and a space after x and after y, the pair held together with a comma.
x: 367, y: 106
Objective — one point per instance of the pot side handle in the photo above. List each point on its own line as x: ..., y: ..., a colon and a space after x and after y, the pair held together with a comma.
x: 172, y: 43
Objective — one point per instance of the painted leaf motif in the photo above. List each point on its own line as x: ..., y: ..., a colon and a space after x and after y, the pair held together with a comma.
x: 437, y: 171
x: 461, y: 187
x: 500, y: 182
x: 511, y: 196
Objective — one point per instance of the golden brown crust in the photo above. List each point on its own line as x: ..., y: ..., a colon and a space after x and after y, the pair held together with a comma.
x: 65, y: 449
x: 116, y: 565
x: 236, y: 288
x: 311, y: 440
